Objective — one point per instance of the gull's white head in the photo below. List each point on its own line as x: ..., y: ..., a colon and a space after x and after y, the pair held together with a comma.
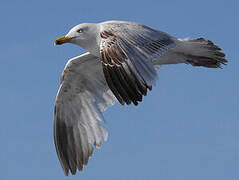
x: 84, y: 35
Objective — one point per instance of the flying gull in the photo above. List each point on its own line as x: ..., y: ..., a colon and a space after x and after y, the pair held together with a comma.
x: 120, y: 65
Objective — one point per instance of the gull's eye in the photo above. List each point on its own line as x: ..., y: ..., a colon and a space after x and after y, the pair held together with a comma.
x: 79, y: 30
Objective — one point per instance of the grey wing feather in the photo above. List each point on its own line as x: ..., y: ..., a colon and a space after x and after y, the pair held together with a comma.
x: 81, y: 98
x: 128, y: 51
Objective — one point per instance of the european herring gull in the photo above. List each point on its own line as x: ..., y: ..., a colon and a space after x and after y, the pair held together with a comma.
x: 120, y: 65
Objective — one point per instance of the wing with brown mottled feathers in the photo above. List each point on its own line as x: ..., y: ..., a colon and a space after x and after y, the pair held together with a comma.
x: 127, y: 52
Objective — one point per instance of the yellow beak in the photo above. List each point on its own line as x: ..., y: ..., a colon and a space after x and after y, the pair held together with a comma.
x: 62, y: 40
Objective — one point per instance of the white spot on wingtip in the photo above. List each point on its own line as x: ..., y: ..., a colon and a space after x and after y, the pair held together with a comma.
x: 184, y: 39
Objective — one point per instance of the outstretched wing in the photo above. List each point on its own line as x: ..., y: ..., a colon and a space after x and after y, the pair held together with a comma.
x: 82, y: 96
x: 127, y: 51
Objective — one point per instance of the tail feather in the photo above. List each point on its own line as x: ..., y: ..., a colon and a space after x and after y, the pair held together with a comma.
x: 201, y: 52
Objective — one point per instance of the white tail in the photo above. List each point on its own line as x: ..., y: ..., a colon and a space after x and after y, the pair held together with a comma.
x: 201, y: 52
x: 197, y: 52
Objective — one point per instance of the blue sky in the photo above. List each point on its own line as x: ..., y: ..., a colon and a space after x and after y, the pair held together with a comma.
x: 186, y: 128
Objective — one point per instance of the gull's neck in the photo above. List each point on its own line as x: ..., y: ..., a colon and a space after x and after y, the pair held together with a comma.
x: 93, y: 43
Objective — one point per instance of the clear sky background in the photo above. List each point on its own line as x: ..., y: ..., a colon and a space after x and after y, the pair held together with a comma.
x: 187, y: 128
